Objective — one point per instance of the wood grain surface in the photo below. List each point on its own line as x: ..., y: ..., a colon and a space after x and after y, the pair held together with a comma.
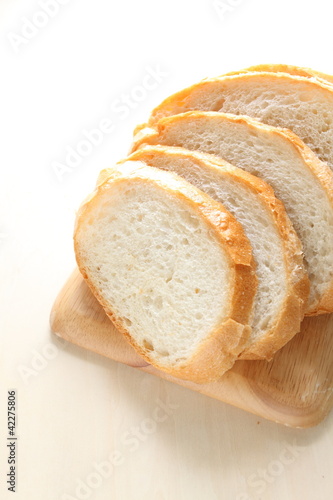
x: 295, y: 389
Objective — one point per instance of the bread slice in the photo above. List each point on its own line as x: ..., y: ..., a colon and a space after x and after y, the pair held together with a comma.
x: 300, y: 180
x: 282, y: 282
x: 285, y: 68
x: 303, y: 105
x: 171, y: 267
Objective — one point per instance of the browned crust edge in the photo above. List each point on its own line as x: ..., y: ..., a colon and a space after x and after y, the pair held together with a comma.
x: 284, y: 68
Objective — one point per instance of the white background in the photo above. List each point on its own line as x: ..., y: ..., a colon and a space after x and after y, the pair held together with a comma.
x: 75, y: 408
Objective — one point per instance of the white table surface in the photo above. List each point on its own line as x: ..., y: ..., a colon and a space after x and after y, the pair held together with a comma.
x: 89, y: 427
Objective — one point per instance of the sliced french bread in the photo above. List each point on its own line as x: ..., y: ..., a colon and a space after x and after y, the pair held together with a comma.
x: 300, y: 180
x: 282, y: 282
x: 303, y: 105
x: 171, y: 267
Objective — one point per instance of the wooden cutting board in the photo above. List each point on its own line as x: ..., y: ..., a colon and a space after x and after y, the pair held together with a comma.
x: 294, y: 389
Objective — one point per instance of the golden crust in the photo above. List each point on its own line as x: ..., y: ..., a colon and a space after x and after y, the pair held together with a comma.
x: 146, y: 136
x: 285, y: 68
x: 220, y: 350
x: 292, y: 312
